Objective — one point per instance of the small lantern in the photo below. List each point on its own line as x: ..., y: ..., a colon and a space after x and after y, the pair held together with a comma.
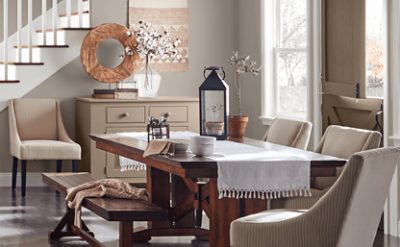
x: 158, y: 129
x: 214, y: 106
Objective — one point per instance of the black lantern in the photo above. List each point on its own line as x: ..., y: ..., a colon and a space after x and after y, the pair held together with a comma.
x: 214, y: 106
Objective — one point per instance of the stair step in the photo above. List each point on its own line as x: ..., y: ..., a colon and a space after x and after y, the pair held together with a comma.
x: 43, y: 46
x: 23, y: 63
x: 9, y: 81
x: 66, y: 29
x: 73, y: 13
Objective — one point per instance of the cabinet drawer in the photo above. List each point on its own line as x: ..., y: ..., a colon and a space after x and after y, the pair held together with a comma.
x: 112, y: 130
x: 179, y: 114
x: 125, y: 115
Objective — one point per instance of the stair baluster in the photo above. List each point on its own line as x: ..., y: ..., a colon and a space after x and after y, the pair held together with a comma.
x: 44, y: 16
x: 19, y: 27
x: 80, y: 12
x: 30, y: 18
x: 69, y: 10
x: 5, y: 31
x: 55, y: 13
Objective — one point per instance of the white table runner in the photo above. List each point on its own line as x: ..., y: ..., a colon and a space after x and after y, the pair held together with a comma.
x: 246, y: 171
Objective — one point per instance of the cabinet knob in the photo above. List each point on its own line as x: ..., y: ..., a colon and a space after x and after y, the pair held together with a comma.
x: 126, y: 114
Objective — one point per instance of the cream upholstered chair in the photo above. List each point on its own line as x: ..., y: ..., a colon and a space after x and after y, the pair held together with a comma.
x: 337, y: 141
x: 288, y: 132
x: 37, y: 133
x: 347, y: 215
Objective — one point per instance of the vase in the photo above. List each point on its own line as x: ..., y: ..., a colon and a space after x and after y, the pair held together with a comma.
x: 237, y: 127
x: 148, y: 81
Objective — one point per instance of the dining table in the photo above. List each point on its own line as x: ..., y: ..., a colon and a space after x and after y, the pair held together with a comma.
x: 173, y: 183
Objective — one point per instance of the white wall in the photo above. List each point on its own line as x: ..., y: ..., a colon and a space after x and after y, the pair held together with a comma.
x: 212, y: 37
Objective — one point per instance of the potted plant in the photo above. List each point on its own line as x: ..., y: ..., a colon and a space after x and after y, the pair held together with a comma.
x: 242, y: 65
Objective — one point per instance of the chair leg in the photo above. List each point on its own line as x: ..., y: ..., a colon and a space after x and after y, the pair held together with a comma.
x: 75, y: 167
x: 59, y: 165
x: 14, y: 173
x: 23, y: 177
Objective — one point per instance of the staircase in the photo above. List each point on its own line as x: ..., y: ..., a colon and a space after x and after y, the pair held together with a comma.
x: 43, y: 46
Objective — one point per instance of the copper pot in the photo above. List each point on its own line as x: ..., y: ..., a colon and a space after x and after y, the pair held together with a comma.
x: 237, y: 127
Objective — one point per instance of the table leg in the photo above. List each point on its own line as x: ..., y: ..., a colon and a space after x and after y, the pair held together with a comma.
x: 181, y: 215
x: 158, y: 187
x: 180, y: 193
x: 125, y: 233
x: 223, y: 212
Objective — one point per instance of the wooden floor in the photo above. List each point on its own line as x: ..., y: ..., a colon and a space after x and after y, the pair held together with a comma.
x: 26, y: 223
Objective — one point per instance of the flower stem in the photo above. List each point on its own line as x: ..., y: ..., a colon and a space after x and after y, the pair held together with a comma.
x: 238, y: 93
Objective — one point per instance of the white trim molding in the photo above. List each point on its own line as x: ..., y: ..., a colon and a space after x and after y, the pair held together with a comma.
x: 32, y: 180
x: 392, y: 108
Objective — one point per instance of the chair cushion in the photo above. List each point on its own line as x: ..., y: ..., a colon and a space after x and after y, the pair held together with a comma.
x: 49, y: 150
x: 36, y: 119
x: 276, y: 215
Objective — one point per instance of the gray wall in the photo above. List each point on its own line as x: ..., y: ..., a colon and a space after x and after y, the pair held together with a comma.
x: 212, y: 37
x: 249, y: 43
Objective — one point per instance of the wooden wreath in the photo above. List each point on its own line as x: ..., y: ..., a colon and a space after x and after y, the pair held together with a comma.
x: 93, y: 40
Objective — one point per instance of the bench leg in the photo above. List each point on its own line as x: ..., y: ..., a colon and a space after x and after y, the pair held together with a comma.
x: 75, y: 166
x: 14, y: 173
x: 66, y: 220
x: 125, y: 233
x: 59, y: 166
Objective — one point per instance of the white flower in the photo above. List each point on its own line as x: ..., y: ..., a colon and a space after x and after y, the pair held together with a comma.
x: 150, y: 43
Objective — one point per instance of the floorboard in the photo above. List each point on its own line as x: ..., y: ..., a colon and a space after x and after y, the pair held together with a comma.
x: 26, y: 222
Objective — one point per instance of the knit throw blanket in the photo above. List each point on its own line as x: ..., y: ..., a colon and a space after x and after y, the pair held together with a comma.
x: 112, y: 188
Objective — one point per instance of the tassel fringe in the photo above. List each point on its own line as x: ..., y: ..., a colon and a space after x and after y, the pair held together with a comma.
x: 275, y: 194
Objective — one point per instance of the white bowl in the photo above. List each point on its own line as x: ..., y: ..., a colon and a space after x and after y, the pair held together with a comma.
x: 202, y: 145
x: 181, y: 145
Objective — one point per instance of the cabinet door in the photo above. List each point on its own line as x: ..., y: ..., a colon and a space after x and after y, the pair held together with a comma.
x: 113, y: 168
x: 343, y: 47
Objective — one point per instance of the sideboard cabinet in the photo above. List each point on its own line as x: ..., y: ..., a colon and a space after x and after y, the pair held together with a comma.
x: 113, y: 116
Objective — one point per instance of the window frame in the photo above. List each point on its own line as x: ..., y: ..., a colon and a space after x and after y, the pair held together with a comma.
x: 314, y: 65
x: 271, y: 49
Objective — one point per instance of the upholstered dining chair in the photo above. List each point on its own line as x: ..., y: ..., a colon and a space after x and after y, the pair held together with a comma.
x: 289, y: 132
x: 347, y: 215
x: 337, y: 141
x: 37, y: 133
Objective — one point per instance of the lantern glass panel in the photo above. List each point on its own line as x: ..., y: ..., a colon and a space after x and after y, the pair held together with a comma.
x: 214, y: 112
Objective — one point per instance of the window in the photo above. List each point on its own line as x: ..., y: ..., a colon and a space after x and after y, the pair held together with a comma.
x: 286, y: 58
x: 374, y: 47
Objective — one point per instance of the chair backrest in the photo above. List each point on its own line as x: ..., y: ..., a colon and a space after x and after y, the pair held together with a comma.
x: 343, y: 142
x: 349, y: 213
x: 36, y: 119
x: 289, y: 132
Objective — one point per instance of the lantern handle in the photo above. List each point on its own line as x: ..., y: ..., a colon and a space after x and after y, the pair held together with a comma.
x: 214, y: 68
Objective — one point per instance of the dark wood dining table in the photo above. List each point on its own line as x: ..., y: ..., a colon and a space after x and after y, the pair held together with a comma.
x: 172, y: 183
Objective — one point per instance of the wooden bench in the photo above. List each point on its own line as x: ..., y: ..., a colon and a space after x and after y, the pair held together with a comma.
x: 123, y: 211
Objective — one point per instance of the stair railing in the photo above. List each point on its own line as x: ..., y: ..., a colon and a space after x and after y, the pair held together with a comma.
x: 30, y: 26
